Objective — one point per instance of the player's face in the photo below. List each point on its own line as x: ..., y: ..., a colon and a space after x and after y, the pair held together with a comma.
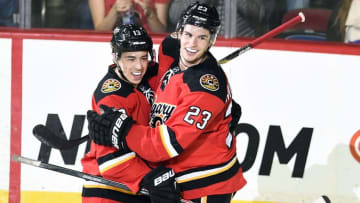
x: 194, y: 42
x: 134, y: 65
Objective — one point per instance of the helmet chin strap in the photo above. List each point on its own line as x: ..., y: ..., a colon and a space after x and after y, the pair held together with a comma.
x: 118, y: 67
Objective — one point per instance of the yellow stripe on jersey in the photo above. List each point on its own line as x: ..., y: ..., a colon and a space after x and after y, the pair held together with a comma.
x: 165, y: 139
x: 206, y: 173
x: 204, y: 199
x: 90, y: 184
x: 115, y: 162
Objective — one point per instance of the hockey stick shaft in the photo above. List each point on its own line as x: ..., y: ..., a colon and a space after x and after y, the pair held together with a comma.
x: 293, y: 21
x: 70, y: 172
x: 78, y: 174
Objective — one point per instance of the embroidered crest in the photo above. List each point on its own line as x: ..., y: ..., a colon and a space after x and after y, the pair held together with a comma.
x: 110, y: 85
x: 209, y: 82
x: 160, y: 112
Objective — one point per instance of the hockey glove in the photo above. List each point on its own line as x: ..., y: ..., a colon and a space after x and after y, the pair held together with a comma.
x: 162, y: 185
x: 235, y: 114
x: 109, y: 128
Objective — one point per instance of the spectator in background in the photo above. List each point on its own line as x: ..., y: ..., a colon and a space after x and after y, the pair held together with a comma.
x: 79, y: 14
x: 7, y: 10
x: 344, y: 23
x: 151, y: 14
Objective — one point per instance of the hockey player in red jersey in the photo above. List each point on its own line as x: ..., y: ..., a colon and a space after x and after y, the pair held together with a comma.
x: 125, y: 87
x: 190, y: 117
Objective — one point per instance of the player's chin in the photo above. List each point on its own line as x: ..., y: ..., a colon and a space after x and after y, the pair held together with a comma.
x: 135, y: 80
x: 193, y: 60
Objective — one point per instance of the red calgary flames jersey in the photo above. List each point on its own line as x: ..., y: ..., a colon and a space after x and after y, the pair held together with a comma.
x: 190, y: 121
x: 108, y: 162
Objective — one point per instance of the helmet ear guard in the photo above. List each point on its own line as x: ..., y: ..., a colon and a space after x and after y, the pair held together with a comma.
x: 201, y: 15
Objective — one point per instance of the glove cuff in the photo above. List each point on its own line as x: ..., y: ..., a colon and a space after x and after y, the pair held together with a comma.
x: 125, y: 131
x: 120, y: 128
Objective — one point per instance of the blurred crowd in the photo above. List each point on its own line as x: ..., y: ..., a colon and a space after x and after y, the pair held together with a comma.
x: 326, y: 20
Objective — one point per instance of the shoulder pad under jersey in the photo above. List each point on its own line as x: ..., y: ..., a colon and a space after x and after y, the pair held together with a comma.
x: 207, y: 77
x: 171, y: 47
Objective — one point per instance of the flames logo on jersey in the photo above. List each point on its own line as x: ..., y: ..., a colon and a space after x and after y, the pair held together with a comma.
x: 110, y: 85
x: 209, y: 82
x: 160, y: 112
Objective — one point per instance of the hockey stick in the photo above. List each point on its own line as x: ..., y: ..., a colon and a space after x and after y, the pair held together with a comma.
x: 293, y: 21
x: 47, y: 137
x: 78, y: 174
x: 72, y: 172
x: 326, y: 199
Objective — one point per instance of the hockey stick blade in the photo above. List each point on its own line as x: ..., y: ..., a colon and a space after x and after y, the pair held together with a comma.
x: 293, y: 21
x: 47, y: 137
x: 78, y: 174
